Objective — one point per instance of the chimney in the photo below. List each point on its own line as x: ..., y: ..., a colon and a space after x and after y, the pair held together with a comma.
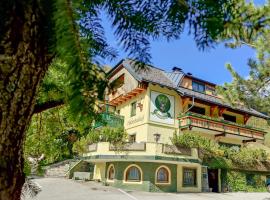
x: 177, y: 69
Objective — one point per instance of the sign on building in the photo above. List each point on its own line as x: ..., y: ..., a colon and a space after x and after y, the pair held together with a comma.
x: 162, y: 108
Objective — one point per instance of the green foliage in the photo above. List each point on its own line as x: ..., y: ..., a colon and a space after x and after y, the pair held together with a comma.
x: 26, y: 168
x: 250, y: 27
x: 243, y: 181
x: 218, y: 156
x: 247, y: 23
x: 53, y: 134
x: 116, y: 136
x: 194, y: 140
x: 247, y: 157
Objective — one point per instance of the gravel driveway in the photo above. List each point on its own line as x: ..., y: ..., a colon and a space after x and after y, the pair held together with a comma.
x: 66, y: 189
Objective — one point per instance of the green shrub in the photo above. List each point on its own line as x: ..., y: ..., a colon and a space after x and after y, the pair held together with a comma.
x: 216, y: 156
x: 116, y: 136
x: 238, y: 181
x: 192, y: 139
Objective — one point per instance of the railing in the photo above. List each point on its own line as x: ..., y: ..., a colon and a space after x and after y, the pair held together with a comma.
x: 190, y: 120
x: 129, y: 147
x: 172, y: 149
x: 140, y: 148
x: 109, y: 119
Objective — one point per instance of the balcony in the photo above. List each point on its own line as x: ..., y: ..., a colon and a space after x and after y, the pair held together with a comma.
x: 109, y: 119
x: 220, y: 127
x: 146, y: 151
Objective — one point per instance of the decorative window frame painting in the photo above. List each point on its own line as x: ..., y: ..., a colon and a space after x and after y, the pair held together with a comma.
x: 162, y: 108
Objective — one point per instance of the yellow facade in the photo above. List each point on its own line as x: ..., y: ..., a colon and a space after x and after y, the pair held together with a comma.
x: 141, y: 123
x: 146, y: 129
x: 99, y: 171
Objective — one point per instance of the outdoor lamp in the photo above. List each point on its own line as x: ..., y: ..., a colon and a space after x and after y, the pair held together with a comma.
x: 157, y: 137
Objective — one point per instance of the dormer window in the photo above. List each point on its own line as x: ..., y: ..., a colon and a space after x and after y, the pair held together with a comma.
x: 197, y: 86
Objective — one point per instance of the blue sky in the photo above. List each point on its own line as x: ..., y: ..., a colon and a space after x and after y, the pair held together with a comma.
x: 208, y: 65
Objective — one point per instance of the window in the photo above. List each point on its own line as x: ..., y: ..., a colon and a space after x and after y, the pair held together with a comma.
x: 229, y: 118
x: 198, y: 110
x: 163, y: 175
x: 111, y: 173
x: 133, y: 174
x: 199, y: 87
x: 132, y: 138
x: 189, y: 177
x: 133, y: 109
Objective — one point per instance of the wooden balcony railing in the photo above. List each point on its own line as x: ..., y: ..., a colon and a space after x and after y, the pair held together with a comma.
x: 190, y: 120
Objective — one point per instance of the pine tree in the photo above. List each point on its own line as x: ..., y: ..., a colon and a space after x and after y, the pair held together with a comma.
x: 252, y: 91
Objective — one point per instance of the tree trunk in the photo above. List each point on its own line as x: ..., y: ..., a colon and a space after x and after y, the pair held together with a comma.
x: 24, y: 60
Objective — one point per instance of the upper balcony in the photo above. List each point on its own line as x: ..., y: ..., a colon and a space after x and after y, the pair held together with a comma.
x: 109, y: 119
x: 220, y: 127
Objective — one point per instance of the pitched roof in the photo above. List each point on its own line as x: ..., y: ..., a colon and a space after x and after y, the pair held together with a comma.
x: 150, y: 74
x: 172, y: 80
x: 218, y: 101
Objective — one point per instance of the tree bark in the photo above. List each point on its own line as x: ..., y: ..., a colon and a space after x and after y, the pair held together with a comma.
x: 24, y: 59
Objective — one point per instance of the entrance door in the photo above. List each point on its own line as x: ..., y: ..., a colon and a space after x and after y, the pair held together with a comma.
x: 213, y: 179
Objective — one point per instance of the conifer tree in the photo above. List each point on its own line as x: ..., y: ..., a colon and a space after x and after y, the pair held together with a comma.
x: 252, y: 30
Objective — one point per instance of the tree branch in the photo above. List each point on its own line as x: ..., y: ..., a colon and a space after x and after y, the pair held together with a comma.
x: 47, y: 105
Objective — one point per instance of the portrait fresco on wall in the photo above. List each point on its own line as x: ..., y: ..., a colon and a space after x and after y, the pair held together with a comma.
x: 162, y: 108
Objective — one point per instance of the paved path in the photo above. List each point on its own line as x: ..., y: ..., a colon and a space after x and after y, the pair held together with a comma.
x: 65, y: 189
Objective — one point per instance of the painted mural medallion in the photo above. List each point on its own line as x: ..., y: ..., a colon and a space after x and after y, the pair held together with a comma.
x: 163, y: 105
x: 161, y: 108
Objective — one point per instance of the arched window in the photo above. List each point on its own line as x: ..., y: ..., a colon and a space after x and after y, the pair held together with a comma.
x: 163, y: 175
x: 133, y: 174
x: 111, y: 173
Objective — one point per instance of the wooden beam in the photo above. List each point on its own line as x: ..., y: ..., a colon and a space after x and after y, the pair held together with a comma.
x: 126, y: 97
x: 212, y: 110
x: 185, y: 101
x: 251, y: 140
x: 221, y: 111
x: 246, y: 117
x: 220, y: 135
x: 134, y: 92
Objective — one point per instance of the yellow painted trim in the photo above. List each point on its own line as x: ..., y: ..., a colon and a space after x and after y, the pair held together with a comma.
x: 133, y: 182
x: 169, y: 173
x: 108, y: 180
